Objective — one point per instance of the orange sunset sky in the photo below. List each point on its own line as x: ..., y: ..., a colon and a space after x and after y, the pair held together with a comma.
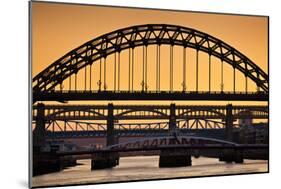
x: 59, y: 28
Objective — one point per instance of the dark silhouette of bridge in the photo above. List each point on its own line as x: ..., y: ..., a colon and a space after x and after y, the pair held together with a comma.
x: 50, y: 83
x: 73, y: 76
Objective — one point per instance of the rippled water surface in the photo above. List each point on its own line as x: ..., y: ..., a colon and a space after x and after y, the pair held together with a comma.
x: 138, y: 168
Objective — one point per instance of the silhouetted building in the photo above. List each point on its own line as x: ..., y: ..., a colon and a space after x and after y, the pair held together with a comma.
x: 256, y: 133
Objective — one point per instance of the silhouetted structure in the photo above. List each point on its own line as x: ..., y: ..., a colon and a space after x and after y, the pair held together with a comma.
x: 97, y: 50
x: 49, y: 84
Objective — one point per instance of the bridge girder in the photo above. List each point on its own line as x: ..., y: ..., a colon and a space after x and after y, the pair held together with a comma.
x: 157, y: 112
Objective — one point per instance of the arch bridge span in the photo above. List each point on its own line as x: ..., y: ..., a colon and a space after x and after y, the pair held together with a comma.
x: 128, y: 64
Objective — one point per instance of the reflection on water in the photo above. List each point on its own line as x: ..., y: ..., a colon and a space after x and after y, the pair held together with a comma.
x: 138, y: 168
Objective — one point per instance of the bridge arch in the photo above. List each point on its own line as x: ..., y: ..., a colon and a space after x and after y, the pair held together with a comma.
x: 188, y: 112
x: 124, y: 113
x: 61, y: 113
x: 144, y: 35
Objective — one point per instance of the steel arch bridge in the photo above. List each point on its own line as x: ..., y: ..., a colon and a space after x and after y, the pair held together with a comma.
x: 61, y: 80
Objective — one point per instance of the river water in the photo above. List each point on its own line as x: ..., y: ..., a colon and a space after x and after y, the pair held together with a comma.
x: 145, y: 167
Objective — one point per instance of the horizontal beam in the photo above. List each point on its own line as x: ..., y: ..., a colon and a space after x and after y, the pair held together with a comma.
x: 144, y: 107
x: 216, y: 133
x: 150, y: 117
x: 126, y: 112
x: 151, y: 148
x: 63, y: 96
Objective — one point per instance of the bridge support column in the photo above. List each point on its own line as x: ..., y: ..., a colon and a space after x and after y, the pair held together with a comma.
x: 174, y: 158
x: 109, y: 159
x: 104, y: 160
x: 110, y: 139
x: 232, y: 155
x: 39, y: 132
x: 229, y: 123
x: 172, y: 119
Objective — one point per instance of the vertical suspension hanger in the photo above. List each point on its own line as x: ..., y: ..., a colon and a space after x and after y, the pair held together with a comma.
x: 234, y: 69
x: 85, y: 87
x: 171, y: 68
x: 132, y: 69
x: 210, y: 71
x: 197, y: 60
x: 99, y: 82
x: 91, y: 77
x: 129, y: 71
x: 146, y: 86
x: 159, y: 67
x: 222, y: 84
x: 104, y: 74
x: 246, y: 84
x: 143, y: 68
x: 114, y: 71
x: 119, y: 70
x: 184, y: 70
x: 75, y: 81
x: 234, y: 79
x: 70, y: 82
x: 246, y: 78
x: 156, y: 80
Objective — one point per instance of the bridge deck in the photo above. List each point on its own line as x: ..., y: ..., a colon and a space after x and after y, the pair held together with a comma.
x: 96, y: 151
x: 149, y: 95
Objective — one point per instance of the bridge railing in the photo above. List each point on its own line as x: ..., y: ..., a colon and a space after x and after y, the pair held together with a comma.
x: 154, y: 92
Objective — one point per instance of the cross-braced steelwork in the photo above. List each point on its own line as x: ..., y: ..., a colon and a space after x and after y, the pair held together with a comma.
x: 74, y: 129
x: 77, y: 126
x: 104, y: 53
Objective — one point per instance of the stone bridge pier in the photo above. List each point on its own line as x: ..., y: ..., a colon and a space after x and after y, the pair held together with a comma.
x: 46, y: 162
x: 39, y: 132
x: 109, y: 159
x: 174, y: 157
x: 230, y: 155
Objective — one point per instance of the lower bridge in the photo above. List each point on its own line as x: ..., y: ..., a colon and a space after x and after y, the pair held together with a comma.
x: 212, y: 133
x: 173, y: 151
x: 187, y: 132
x: 62, y: 129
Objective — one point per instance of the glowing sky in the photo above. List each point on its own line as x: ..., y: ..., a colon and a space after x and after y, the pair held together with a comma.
x: 59, y: 28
